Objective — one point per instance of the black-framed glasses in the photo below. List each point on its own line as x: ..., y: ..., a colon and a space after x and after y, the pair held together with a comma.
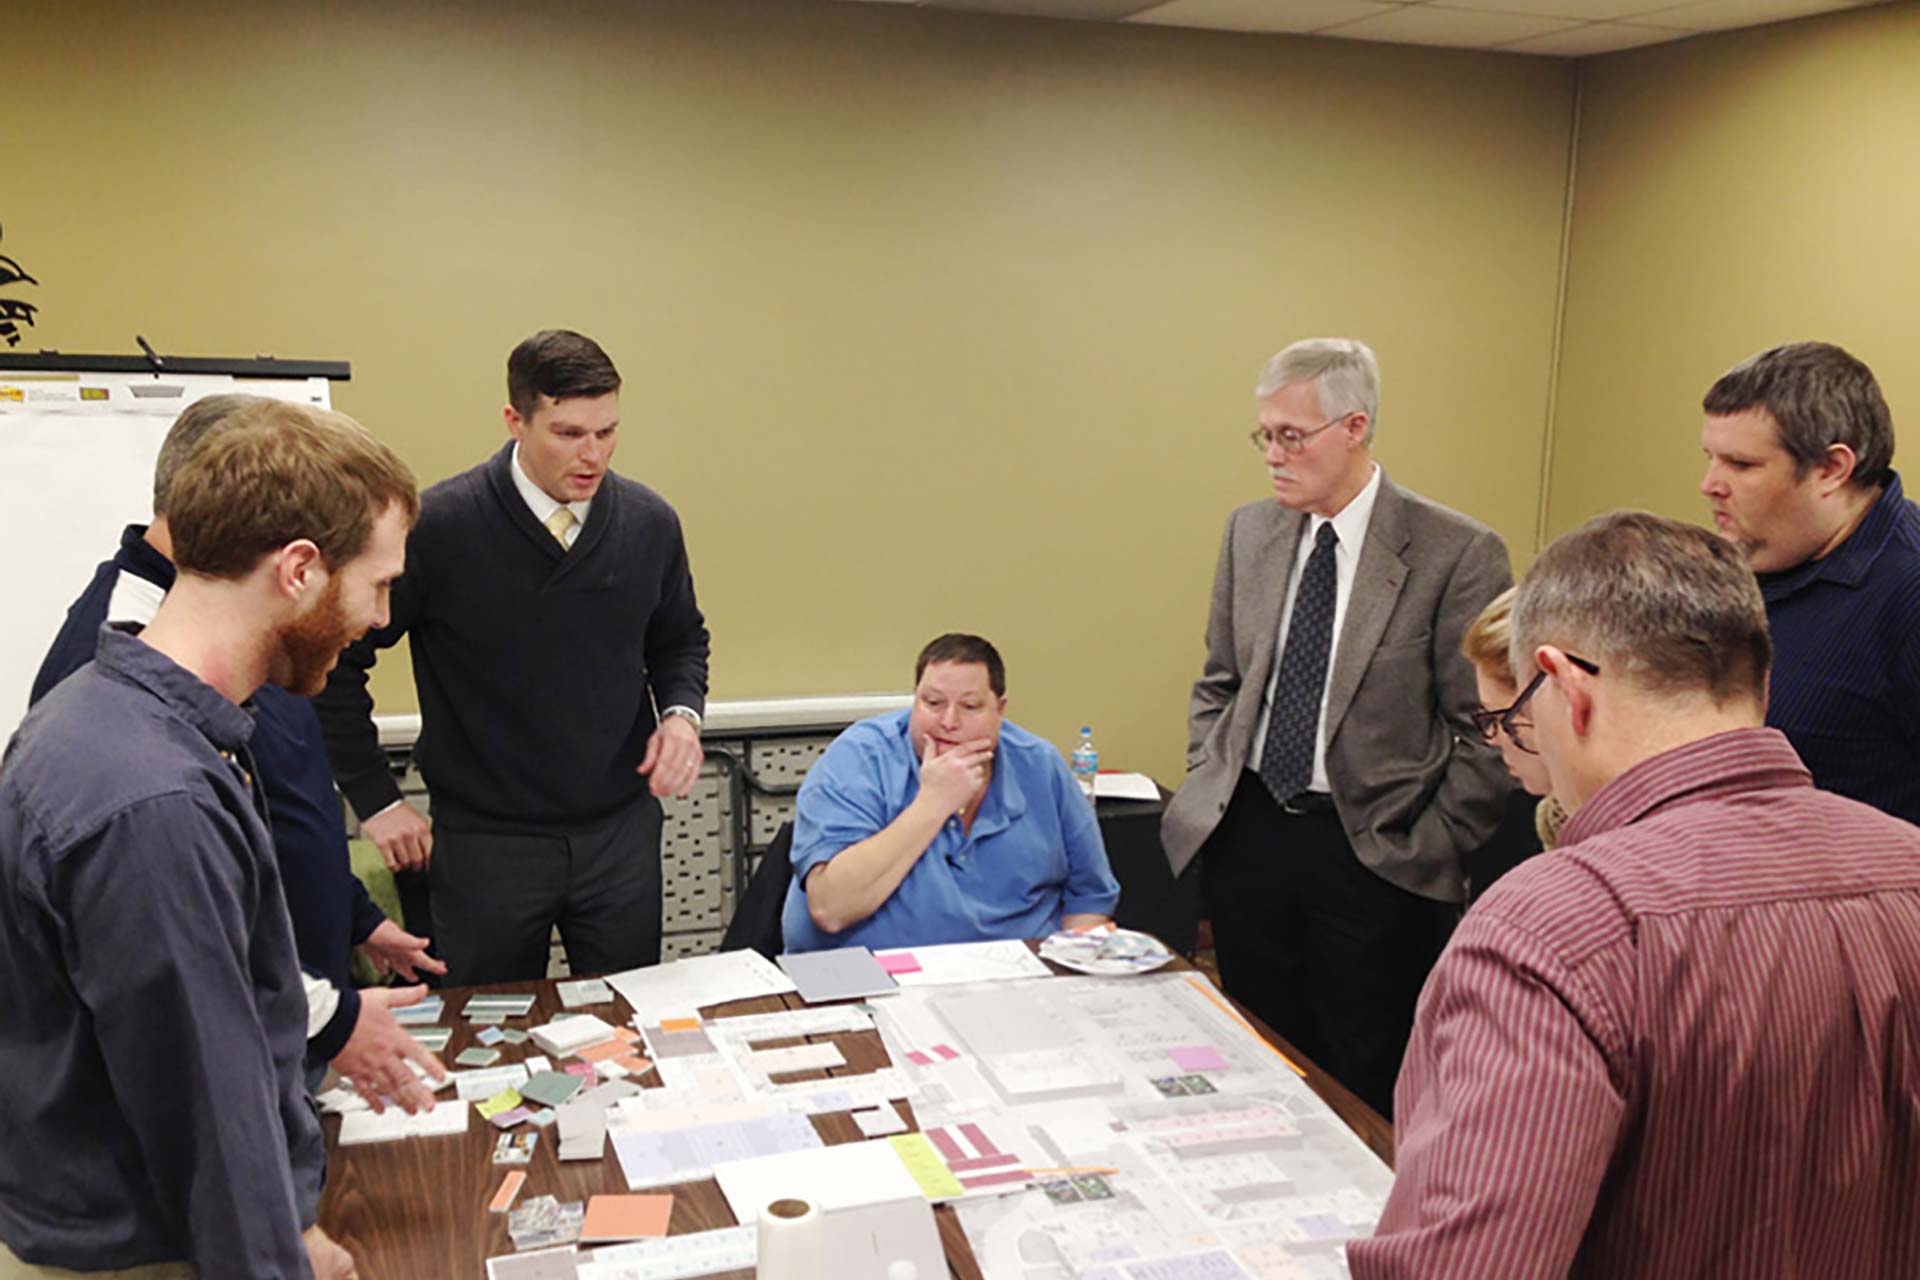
x: 1290, y: 439
x: 1507, y: 719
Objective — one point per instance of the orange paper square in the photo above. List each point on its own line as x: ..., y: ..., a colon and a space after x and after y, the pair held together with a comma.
x: 626, y: 1035
x: 634, y: 1064
x: 599, y: 1052
x: 679, y: 1024
x: 625, y: 1217
x: 509, y: 1188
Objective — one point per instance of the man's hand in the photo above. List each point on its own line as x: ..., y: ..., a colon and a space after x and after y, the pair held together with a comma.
x: 1084, y: 922
x: 673, y: 757
x: 329, y: 1260
x: 404, y: 838
x: 377, y: 1053
x: 394, y: 950
x: 951, y: 781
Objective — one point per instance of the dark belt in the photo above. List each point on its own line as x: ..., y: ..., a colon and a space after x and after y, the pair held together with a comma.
x: 1307, y: 802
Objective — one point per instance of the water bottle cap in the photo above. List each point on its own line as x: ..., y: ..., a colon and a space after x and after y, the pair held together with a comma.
x: 1086, y: 728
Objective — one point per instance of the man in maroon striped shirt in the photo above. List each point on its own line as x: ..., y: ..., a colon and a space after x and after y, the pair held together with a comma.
x: 1687, y: 1044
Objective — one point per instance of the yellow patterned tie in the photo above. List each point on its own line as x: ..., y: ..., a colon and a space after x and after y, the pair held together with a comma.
x: 558, y: 523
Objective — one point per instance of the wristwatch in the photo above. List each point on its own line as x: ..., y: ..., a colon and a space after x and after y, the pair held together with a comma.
x: 687, y: 713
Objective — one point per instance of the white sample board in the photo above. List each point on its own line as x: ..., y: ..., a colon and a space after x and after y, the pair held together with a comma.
x: 76, y: 467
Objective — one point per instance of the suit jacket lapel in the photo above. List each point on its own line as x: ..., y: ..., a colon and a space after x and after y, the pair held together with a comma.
x: 1376, y: 589
x: 1263, y: 594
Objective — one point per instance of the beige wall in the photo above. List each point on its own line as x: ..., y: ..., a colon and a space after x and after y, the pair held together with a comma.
x: 1733, y: 192
x: 929, y: 321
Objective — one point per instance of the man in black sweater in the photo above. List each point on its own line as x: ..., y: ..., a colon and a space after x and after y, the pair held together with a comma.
x: 551, y: 610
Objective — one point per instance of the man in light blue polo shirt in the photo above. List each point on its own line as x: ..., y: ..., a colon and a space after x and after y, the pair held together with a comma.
x: 944, y: 823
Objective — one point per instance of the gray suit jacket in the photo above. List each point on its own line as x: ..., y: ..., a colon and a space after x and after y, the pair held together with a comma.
x: 1415, y: 787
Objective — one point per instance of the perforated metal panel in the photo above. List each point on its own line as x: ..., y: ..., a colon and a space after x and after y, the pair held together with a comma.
x: 710, y: 842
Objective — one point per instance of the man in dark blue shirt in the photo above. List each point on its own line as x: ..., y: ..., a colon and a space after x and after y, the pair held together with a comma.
x: 1799, y: 446
x: 152, y: 1015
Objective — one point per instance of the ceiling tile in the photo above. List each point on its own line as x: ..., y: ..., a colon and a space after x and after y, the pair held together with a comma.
x: 1263, y: 15
x: 1099, y: 10
x: 1599, y: 37
x: 1719, y: 15
x: 1460, y: 28
x: 1587, y: 10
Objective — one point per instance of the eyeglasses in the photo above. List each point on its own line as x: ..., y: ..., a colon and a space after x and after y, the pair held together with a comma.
x: 1290, y: 439
x: 1507, y: 720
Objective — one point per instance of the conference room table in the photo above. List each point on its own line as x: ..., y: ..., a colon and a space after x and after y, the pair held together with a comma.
x: 416, y: 1208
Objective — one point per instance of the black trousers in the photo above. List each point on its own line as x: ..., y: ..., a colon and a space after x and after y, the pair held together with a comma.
x: 1316, y: 945
x: 498, y: 895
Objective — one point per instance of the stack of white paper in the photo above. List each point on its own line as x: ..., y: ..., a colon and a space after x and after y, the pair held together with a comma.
x: 571, y: 1034
x: 357, y: 1127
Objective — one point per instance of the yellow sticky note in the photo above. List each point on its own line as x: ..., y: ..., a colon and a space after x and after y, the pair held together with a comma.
x: 505, y: 1100
x: 935, y: 1180
x: 679, y: 1024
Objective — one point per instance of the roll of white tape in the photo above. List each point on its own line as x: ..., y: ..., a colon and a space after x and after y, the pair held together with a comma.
x: 790, y: 1241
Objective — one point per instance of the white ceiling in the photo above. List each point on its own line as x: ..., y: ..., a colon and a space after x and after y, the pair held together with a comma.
x: 1561, y: 28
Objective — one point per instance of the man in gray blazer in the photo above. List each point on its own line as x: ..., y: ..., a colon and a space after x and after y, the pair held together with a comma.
x: 1333, y: 779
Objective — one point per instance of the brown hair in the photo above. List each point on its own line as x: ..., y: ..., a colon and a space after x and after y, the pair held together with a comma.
x: 276, y: 473
x: 198, y: 418
x: 1488, y: 638
x: 958, y: 646
x: 558, y: 363
x: 1818, y: 396
x: 1670, y: 606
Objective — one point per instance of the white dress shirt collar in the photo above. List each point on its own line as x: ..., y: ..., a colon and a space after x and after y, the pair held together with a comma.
x: 542, y: 503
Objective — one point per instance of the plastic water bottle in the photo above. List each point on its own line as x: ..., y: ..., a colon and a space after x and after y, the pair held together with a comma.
x: 1086, y: 762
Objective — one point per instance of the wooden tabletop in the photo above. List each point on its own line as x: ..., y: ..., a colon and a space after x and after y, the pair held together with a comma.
x: 417, y: 1208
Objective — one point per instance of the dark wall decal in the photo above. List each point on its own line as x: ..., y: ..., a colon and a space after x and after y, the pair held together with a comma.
x: 14, y: 312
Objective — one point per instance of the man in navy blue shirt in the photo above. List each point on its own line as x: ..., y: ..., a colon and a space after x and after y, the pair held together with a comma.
x: 152, y: 1016
x: 331, y: 911
x: 944, y: 823
x: 1799, y: 446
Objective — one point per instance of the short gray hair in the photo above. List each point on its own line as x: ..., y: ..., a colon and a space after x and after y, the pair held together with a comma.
x: 194, y: 422
x: 1343, y: 371
x: 1818, y: 396
x: 1670, y: 606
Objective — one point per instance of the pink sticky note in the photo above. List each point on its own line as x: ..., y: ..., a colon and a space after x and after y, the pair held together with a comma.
x: 1198, y: 1057
x: 900, y: 962
x: 946, y: 1051
x: 582, y: 1069
x: 919, y: 1059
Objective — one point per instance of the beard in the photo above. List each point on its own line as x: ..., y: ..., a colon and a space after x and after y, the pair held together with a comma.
x: 310, y: 645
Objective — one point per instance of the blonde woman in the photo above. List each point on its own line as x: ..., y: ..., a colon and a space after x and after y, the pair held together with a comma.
x: 1485, y: 646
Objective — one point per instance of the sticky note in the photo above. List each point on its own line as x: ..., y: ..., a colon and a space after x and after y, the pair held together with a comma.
x: 919, y: 1059
x: 477, y: 1057
x: 634, y: 1064
x: 930, y: 1172
x: 625, y: 1217
x: 946, y: 1051
x: 505, y: 1100
x: 625, y: 1035
x: 509, y: 1188
x: 490, y: 1036
x: 679, y: 1024
x: 582, y: 1069
x: 899, y: 962
x: 508, y: 1119
x: 1198, y: 1057
x: 513, y: 1036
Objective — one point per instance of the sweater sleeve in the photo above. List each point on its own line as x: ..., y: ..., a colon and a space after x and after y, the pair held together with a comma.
x: 677, y: 640
x: 345, y: 707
